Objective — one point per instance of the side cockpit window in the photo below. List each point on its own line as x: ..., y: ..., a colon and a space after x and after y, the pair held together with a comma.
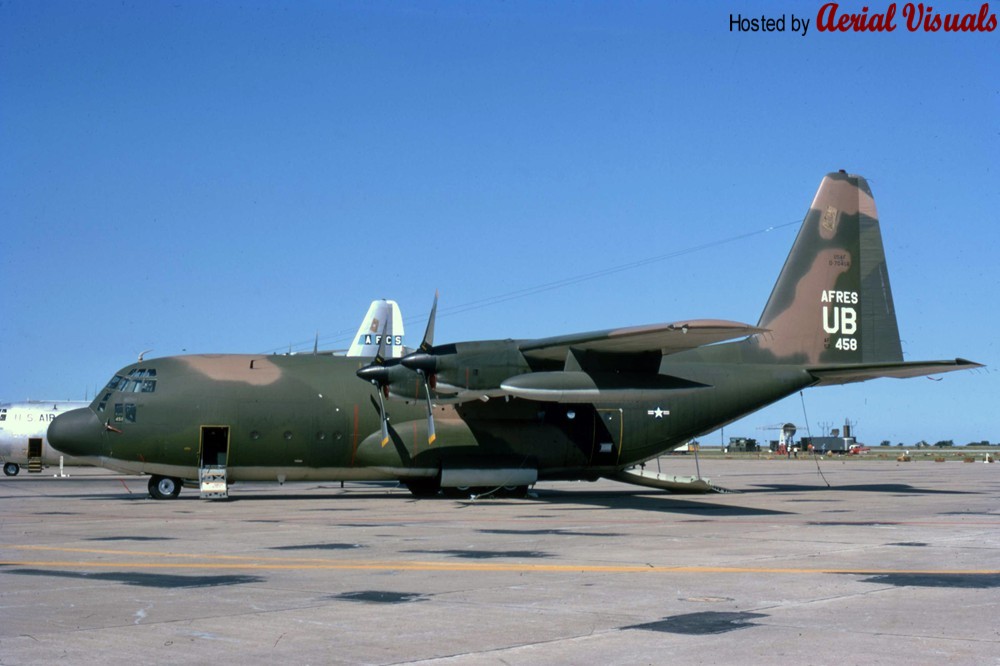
x: 136, y: 380
x: 125, y: 412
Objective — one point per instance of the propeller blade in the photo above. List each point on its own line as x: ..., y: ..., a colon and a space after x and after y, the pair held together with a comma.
x: 380, y: 353
x: 431, y: 435
x: 422, y: 360
x: 384, y: 417
x: 428, y: 341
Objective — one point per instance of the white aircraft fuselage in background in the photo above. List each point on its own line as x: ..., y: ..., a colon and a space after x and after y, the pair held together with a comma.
x: 23, y: 428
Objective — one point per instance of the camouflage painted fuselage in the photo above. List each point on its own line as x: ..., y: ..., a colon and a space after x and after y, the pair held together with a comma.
x: 309, y: 417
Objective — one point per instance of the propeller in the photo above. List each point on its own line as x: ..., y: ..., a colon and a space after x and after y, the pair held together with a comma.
x: 377, y: 373
x: 424, y: 363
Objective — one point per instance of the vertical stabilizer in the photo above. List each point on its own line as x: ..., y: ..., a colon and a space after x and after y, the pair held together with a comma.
x: 366, y: 340
x: 832, y: 303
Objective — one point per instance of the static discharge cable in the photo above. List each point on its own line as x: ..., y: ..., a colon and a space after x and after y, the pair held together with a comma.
x: 809, y: 432
x: 345, y: 334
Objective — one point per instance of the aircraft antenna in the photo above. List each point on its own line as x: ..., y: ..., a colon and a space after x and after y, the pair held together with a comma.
x: 489, y: 301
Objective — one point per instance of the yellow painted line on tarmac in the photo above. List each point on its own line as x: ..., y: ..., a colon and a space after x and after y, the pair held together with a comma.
x: 237, y: 562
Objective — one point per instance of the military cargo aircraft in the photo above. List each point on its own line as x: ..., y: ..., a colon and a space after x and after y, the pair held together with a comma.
x: 22, y: 434
x: 505, y: 413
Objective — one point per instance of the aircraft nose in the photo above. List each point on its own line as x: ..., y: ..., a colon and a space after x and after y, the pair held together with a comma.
x: 78, y: 432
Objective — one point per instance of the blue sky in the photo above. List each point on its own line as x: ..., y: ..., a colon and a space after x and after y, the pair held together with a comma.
x: 232, y: 177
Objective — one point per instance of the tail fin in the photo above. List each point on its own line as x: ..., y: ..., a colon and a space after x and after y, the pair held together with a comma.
x: 832, y: 303
x: 366, y: 340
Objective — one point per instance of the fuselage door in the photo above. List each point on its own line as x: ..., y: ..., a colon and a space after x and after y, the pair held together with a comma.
x: 214, y: 446
x: 214, y: 455
x: 34, y: 455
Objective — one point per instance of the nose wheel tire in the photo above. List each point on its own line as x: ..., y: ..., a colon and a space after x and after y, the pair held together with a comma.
x: 11, y: 469
x: 164, y: 487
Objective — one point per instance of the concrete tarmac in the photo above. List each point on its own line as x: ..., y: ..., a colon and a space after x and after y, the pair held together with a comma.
x: 894, y: 563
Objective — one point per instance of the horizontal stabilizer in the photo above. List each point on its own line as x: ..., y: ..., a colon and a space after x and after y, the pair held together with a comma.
x: 663, y: 338
x: 680, y: 485
x: 859, y: 372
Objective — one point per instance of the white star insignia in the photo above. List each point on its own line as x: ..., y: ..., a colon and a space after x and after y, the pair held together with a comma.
x: 658, y: 413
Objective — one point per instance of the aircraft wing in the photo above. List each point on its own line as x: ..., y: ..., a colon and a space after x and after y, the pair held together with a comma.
x: 664, y: 338
x: 859, y: 372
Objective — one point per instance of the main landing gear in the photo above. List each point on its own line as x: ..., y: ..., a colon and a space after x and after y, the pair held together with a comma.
x: 164, y: 487
x: 468, y: 492
x: 430, y: 487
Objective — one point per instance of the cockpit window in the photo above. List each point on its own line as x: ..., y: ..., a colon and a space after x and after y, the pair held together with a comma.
x: 139, y: 380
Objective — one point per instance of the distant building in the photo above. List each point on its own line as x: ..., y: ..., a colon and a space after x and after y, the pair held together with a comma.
x: 835, y: 443
x: 739, y: 444
x: 828, y: 444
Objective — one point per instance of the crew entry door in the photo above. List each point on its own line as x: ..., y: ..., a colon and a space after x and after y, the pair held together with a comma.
x: 214, y: 446
x: 214, y: 456
x: 34, y: 455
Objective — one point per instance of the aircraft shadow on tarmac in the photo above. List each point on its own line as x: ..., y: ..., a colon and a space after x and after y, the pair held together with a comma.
x: 960, y: 580
x: 900, y: 488
x: 568, y: 500
x: 574, y: 499
x: 141, y: 579
x: 644, y: 500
